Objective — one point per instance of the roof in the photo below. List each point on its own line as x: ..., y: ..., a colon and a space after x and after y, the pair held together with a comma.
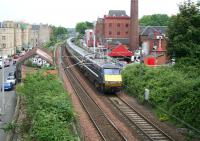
x: 150, y: 30
x: 118, y: 40
x: 120, y: 51
x: 117, y: 13
x: 37, y: 51
x: 35, y: 27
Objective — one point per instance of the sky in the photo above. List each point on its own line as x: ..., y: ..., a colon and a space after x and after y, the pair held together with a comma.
x: 69, y: 12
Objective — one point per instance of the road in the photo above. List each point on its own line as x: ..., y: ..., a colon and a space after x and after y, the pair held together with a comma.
x: 10, y: 103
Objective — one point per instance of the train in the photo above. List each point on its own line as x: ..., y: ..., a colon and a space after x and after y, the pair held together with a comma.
x: 102, y: 71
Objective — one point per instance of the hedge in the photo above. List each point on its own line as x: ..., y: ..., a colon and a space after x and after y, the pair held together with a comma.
x: 175, y: 90
x: 49, y: 110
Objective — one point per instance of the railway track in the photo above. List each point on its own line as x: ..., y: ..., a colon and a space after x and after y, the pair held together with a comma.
x: 102, y: 123
x: 145, y: 129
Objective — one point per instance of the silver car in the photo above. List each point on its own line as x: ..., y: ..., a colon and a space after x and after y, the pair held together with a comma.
x: 11, y: 79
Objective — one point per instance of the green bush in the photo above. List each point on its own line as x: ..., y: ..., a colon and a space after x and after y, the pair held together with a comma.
x: 175, y: 90
x: 48, y: 108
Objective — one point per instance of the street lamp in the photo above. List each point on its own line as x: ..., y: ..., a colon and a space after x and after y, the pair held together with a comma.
x: 2, y: 86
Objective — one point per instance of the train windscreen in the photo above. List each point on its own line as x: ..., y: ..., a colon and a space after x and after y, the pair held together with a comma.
x: 111, y: 71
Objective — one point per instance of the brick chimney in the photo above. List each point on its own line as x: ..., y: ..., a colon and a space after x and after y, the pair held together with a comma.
x: 134, y: 36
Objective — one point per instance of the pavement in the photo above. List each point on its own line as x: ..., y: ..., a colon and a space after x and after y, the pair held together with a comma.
x: 10, y: 103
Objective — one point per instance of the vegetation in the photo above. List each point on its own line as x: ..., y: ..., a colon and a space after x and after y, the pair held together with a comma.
x: 58, y: 34
x: 49, y: 111
x: 155, y: 20
x: 174, y: 90
x: 184, y: 31
x: 82, y: 26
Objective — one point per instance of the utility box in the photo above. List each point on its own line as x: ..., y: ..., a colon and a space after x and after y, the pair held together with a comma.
x: 146, y: 94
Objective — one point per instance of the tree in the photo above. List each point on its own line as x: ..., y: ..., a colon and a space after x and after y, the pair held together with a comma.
x: 184, y: 31
x: 58, y: 33
x: 82, y: 26
x: 89, y: 25
x: 155, y: 20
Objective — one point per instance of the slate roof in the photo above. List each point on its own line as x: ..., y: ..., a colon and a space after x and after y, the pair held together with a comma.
x: 149, y: 30
x: 43, y: 53
x: 117, y: 13
x: 35, y: 27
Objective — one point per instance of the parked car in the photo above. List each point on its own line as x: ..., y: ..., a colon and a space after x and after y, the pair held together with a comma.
x: 6, y: 63
x: 11, y: 79
x: 12, y: 74
x: 1, y: 64
x: 7, y: 86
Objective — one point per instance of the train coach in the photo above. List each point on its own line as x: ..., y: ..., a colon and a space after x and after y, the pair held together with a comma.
x: 103, y: 72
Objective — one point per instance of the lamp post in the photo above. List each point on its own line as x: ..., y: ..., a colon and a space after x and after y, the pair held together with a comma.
x: 2, y: 87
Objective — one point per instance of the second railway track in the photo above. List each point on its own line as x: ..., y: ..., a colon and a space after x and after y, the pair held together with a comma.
x: 147, y: 130
x: 104, y: 125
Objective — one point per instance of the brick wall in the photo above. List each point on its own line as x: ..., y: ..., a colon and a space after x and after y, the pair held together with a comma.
x: 117, y: 27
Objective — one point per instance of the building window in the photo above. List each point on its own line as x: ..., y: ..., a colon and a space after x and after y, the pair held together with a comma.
x: 126, y: 32
x: 110, y: 33
x: 118, y: 33
x: 3, y: 45
x: 127, y: 25
x: 3, y: 37
x: 118, y: 25
x: 110, y: 24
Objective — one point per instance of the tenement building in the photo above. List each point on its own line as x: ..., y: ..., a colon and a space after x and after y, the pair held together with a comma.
x: 17, y: 36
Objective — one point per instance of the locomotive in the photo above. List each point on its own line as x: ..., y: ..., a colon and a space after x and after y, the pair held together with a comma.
x: 103, y: 72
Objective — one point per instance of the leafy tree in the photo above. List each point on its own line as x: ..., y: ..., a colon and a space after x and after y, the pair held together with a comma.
x: 155, y: 20
x: 82, y: 26
x: 184, y: 31
x: 89, y: 24
x: 58, y: 33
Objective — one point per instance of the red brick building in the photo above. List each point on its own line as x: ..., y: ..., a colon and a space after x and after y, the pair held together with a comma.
x: 154, y: 36
x: 115, y: 29
x: 115, y: 26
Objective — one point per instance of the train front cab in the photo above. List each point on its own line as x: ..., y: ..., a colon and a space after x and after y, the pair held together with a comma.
x: 112, y: 79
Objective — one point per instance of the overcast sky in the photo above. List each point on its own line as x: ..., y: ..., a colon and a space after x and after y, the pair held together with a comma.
x: 68, y: 12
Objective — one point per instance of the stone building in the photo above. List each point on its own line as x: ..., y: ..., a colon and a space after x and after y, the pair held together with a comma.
x: 44, y: 34
x: 7, y: 38
x: 34, y: 36
x: 16, y: 36
x: 39, y: 35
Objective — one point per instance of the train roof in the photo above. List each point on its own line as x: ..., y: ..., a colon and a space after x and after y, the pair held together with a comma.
x: 96, y: 58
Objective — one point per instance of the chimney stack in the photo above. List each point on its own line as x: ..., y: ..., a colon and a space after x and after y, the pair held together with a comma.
x: 134, y: 36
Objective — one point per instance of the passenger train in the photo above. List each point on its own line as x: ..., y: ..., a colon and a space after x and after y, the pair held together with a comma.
x: 103, y: 72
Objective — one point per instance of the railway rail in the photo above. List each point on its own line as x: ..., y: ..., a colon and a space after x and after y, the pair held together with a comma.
x: 102, y: 123
x: 146, y: 129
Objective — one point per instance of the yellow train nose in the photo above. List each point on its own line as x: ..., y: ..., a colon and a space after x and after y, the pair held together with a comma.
x: 113, y: 78
x: 113, y: 81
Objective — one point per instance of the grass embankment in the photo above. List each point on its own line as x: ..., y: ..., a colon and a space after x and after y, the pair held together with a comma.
x: 176, y: 90
x: 49, y: 111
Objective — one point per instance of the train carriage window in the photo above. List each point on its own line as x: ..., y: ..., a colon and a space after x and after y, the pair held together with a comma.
x: 111, y: 71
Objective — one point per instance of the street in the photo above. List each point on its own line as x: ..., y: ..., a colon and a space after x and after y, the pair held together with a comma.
x: 10, y: 103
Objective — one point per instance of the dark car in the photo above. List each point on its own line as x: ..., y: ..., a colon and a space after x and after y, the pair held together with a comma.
x: 7, y: 86
x: 12, y: 74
